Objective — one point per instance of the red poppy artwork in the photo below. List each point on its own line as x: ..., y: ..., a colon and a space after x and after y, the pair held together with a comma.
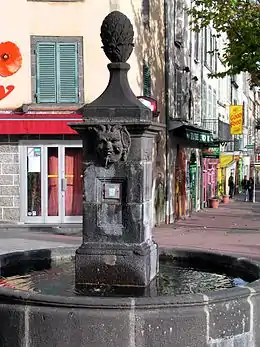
x: 4, y: 91
x: 10, y: 63
x: 10, y: 59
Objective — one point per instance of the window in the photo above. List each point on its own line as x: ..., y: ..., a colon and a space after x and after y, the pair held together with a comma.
x: 206, y: 43
x: 214, y: 103
x: 146, y: 11
x: 196, y: 46
x: 147, y: 83
x: 179, y: 22
x: 233, y: 81
x: 216, y: 54
x: 209, y: 52
x: 204, y: 100
x: 209, y: 112
x: 178, y: 93
x: 57, y: 72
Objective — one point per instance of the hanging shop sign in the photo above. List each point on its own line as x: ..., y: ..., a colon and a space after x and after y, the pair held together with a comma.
x: 226, y: 160
x: 197, y: 136
x: 250, y: 146
x: 211, y: 152
x: 236, y: 115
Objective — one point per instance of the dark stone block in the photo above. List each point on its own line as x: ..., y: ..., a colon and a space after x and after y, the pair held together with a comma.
x: 141, y: 148
x: 116, y: 265
x: 76, y: 327
x: 254, y: 300
x: 12, y: 325
x: 176, y: 326
x: 230, y: 317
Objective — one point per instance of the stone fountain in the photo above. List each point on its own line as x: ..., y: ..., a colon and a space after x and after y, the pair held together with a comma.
x: 118, y: 251
x: 118, y: 133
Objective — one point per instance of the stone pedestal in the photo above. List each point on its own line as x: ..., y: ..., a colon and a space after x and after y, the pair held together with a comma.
x: 117, y: 246
x: 118, y: 140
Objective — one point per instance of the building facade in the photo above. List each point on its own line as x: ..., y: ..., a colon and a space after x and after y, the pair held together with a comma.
x: 52, y: 65
x: 200, y: 103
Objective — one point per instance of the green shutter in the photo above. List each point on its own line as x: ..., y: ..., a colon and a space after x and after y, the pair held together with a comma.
x: 46, y: 88
x: 146, y: 80
x: 67, y: 78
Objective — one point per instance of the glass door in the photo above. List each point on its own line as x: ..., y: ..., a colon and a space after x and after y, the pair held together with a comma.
x: 72, y: 184
x: 53, y: 172
x: 33, y: 184
x: 52, y: 183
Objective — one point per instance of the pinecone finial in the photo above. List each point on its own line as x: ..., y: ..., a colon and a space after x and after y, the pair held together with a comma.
x: 117, y: 35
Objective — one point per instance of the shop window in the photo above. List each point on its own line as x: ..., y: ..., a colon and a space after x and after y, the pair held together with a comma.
x: 147, y: 82
x: 57, y: 71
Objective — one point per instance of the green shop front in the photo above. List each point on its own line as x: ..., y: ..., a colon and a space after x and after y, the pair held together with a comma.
x: 189, y: 140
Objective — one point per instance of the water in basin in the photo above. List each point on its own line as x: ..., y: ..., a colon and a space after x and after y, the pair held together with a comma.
x: 59, y: 279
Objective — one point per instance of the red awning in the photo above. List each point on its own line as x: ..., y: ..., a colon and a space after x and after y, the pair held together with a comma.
x: 15, y: 124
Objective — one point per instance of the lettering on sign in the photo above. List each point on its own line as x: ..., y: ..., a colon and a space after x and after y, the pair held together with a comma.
x: 236, y: 119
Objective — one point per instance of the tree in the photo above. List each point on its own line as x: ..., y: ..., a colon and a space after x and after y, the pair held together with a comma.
x: 240, y: 21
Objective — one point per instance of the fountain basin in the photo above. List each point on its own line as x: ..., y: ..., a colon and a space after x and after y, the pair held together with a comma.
x: 227, y: 317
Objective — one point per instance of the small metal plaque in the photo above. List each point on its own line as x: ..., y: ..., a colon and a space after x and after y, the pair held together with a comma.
x: 112, y: 191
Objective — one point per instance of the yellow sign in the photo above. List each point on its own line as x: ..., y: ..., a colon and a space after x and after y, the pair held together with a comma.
x: 226, y: 160
x: 236, y: 119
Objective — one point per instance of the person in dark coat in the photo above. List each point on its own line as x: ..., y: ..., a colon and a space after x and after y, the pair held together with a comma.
x: 231, y: 185
x: 251, y: 189
x: 244, y: 185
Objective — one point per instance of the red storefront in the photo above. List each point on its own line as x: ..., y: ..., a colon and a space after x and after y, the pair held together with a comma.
x: 46, y: 167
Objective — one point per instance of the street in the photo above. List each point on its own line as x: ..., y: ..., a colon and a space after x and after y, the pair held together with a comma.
x: 233, y: 228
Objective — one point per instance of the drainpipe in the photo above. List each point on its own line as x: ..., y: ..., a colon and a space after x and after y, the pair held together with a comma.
x: 166, y: 108
x: 201, y: 115
x: 255, y: 144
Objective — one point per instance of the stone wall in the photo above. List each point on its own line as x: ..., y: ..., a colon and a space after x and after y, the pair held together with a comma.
x: 9, y: 182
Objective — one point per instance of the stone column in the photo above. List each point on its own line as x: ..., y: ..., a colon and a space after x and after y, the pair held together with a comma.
x: 118, y: 134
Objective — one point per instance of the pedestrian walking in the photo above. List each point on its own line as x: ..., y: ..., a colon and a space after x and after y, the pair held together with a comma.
x: 231, y: 185
x: 244, y: 185
x: 251, y: 189
x: 159, y: 198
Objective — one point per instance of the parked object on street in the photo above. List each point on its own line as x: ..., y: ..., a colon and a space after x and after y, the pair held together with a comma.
x: 225, y: 199
x: 214, y: 202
